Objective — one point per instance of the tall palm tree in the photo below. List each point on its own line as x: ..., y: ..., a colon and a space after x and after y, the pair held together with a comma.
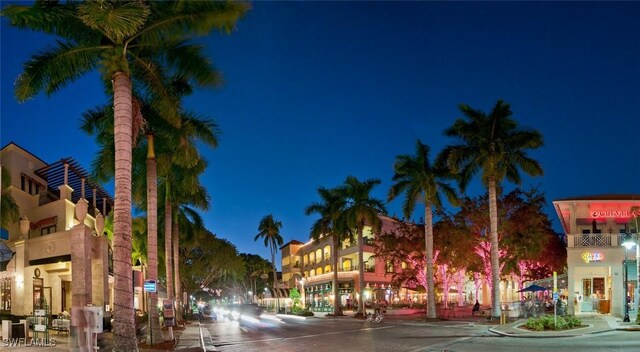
x: 329, y: 209
x: 422, y: 182
x: 360, y: 210
x: 494, y: 145
x: 270, y: 232
x: 130, y: 42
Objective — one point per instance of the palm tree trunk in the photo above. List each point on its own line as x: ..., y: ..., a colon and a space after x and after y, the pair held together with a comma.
x: 275, y: 277
x: 167, y: 248
x: 336, y: 292
x: 495, y: 259
x: 175, y: 234
x: 155, y: 336
x: 428, y: 239
x: 124, y: 327
x: 360, y: 311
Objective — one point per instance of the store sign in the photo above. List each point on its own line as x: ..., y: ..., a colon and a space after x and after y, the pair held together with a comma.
x: 589, y: 257
x: 614, y: 213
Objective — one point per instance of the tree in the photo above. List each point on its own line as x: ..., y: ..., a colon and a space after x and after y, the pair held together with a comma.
x: 207, y: 260
x: 360, y: 209
x: 130, y: 42
x: 10, y: 213
x: 270, y: 232
x: 422, y: 182
x: 494, y: 145
x: 329, y: 210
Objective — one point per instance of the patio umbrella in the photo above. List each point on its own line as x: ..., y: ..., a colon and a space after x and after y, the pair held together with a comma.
x: 533, y: 288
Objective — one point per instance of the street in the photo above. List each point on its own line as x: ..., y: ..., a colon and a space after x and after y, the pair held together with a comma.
x: 396, y: 334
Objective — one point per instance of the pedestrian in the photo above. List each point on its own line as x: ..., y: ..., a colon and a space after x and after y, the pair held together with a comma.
x: 476, y: 307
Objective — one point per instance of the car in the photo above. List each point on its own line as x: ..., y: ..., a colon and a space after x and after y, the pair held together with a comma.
x: 250, y: 310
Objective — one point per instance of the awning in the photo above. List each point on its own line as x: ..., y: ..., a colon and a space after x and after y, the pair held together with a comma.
x: 279, y: 293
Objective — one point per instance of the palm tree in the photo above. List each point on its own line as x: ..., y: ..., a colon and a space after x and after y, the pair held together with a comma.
x: 495, y: 146
x: 9, y: 211
x: 270, y: 231
x: 422, y: 182
x: 329, y: 209
x: 360, y: 209
x: 130, y: 42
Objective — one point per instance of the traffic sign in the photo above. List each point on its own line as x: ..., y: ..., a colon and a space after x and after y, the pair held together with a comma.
x: 150, y: 285
x: 555, y: 296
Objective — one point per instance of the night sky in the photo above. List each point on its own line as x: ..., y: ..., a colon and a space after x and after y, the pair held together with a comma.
x: 316, y: 91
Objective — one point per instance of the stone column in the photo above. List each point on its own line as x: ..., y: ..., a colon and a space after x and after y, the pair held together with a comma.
x: 100, y: 271
x: 81, y: 278
x: 21, y: 304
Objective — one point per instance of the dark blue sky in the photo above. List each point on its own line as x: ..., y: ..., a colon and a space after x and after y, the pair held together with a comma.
x: 316, y: 91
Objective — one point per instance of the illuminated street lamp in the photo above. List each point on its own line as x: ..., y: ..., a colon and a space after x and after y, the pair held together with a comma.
x: 628, y: 243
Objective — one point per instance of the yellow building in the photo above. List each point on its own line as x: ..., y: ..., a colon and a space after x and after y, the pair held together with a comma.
x: 36, y: 252
x: 309, y: 267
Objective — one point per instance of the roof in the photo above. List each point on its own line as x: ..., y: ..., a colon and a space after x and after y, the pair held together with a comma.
x: 602, y: 197
x: 292, y: 242
x: 54, y: 175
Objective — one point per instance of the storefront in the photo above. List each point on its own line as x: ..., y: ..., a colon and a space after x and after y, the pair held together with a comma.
x: 602, y: 273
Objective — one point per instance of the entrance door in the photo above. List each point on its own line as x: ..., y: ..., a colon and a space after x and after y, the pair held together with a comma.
x: 38, y: 292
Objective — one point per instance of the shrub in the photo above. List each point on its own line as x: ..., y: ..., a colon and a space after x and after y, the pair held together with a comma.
x: 304, y: 313
x: 546, y: 322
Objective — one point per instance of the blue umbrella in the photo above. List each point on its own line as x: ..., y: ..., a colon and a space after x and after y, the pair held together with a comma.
x: 533, y: 288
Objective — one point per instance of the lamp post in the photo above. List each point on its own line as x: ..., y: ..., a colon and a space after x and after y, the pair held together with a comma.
x: 628, y: 243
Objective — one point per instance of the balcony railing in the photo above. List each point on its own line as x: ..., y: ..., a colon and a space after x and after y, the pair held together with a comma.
x: 597, y: 239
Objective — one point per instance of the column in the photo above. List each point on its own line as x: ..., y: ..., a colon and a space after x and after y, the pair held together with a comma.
x: 81, y: 277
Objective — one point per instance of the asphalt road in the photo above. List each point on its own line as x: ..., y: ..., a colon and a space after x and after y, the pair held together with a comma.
x: 396, y: 335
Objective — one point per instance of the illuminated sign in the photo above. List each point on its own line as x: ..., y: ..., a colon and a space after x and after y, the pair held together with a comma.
x: 614, y: 213
x: 589, y: 257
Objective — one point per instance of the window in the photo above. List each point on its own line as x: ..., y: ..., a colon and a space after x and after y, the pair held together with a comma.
x: 47, y: 230
x: 318, y: 255
x: 5, y: 294
x: 389, y: 266
x: 305, y: 260
x: 404, y: 265
x: 327, y: 252
x: 29, y: 185
x: 347, y: 265
x: 327, y: 268
x: 312, y: 272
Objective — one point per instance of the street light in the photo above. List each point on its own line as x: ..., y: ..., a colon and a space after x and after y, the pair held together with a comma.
x: 628, y: 243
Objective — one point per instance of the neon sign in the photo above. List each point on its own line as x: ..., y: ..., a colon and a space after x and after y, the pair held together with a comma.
x: 589, y: 257
x: 614, y: 213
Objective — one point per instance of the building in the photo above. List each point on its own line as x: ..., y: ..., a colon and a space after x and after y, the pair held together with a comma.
x: 36, y: 252
x: 309, y: 267
x: 595, y: 228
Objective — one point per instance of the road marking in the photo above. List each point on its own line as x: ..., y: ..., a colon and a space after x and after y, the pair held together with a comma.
x: 302, y: 337
x: 442, y: 346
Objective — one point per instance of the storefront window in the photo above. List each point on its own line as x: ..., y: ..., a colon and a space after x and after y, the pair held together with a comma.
x: 5, y: 294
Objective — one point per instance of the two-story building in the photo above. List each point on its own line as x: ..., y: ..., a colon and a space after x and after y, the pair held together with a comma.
x: 36, y: 252
x: 598, y: 264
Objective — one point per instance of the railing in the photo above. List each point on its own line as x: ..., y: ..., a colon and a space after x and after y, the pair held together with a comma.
x: 598, y: 239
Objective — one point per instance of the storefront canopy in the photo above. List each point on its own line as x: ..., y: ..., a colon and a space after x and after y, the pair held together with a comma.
x: 279, y: 293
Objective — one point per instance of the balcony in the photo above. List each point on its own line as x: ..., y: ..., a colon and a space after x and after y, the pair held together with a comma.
x: 597, y: 239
